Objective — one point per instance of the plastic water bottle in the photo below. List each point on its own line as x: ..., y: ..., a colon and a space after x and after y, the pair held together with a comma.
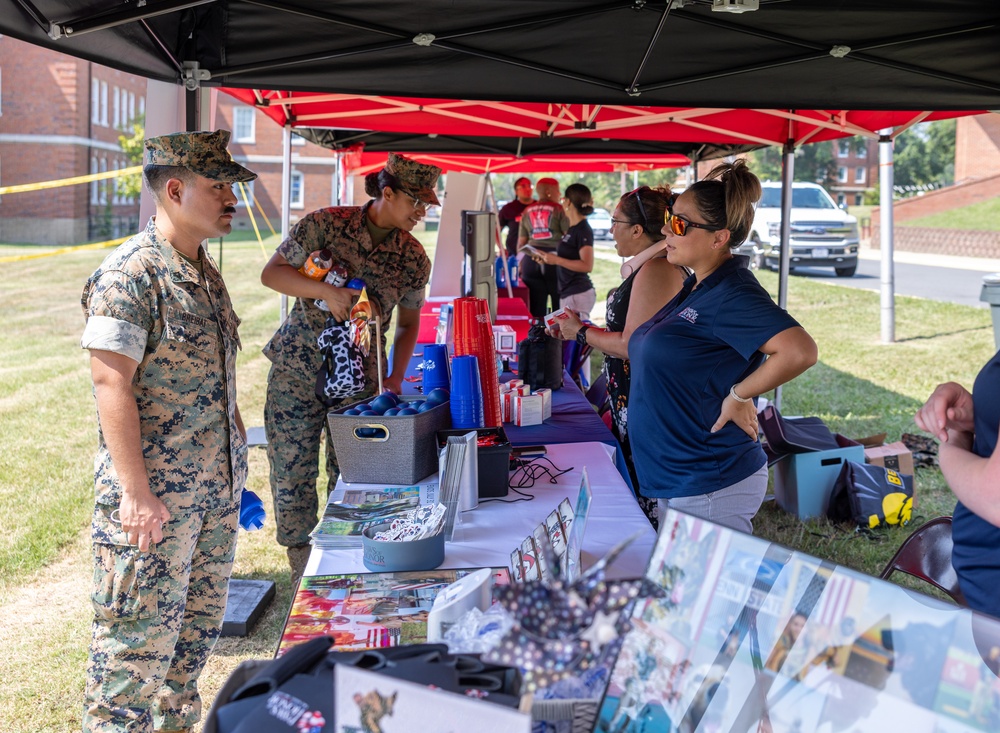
x: 317, y: 264
x: 500, y: 275
x: 251, y: 511
x: 512, y: 266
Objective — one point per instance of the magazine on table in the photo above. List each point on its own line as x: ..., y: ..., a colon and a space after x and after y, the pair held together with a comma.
x: 369, y: 610
x: 353, y: 508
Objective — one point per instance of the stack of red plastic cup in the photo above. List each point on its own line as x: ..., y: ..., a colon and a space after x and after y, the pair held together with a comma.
x: 474, y: 337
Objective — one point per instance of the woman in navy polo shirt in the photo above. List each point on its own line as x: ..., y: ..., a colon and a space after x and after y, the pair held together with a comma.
x: 966, y: 424
x: 700, y: 361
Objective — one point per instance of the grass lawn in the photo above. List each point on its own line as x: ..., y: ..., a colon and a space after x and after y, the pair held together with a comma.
x: 984, y: 216
x: 48, y: 431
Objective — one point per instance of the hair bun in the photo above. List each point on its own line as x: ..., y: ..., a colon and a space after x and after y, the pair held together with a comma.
x: 371, y: 184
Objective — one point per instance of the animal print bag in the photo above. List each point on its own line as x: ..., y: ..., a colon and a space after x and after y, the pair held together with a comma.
x: 342, y: 373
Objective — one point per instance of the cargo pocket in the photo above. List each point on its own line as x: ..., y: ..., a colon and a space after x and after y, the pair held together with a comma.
x: 125, y: 585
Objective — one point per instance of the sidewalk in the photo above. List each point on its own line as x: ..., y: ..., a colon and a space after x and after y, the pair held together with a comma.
x: 936, y: 260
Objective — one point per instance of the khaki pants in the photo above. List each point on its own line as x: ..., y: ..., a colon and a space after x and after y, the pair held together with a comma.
x: 157, y: 616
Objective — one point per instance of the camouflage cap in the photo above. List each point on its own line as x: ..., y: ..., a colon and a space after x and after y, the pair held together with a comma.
x: 419, y: 179
x: 203, y: 153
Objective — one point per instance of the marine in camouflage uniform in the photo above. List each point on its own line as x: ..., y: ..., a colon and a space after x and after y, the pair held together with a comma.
x: 159, y: 609
x: 395, y: 272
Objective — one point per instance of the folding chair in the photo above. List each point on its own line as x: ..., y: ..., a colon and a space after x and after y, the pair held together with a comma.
x: 598, y: 395
x: 926, y: 554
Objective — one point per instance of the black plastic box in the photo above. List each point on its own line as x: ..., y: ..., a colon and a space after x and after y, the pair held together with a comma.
x: 493, y: 456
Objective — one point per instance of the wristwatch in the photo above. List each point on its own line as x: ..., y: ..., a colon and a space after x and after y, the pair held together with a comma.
x: 581, y: 335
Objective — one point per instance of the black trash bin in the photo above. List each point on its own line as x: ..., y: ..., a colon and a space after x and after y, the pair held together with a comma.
x: 991, y: 294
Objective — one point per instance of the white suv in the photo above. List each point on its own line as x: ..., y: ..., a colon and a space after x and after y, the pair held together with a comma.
x: 822, y: 234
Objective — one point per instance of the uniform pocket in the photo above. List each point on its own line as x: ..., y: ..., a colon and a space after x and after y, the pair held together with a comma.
x: 192, y: 334
x: 125, y: 585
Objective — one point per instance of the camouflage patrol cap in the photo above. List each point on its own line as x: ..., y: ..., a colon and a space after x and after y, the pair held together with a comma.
x: 419, y: 179
x: 203, y: 153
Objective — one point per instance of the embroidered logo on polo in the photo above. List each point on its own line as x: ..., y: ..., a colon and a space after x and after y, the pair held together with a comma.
x: 689, y: 314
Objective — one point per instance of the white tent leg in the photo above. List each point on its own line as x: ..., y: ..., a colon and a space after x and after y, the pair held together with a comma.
x: 886, y: 179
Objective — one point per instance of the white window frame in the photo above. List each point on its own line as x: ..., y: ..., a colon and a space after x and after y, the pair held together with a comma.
x: 102, y: 196
x: 860, y: 174
x: 843, y: 148
x: 95, y: 186
x: 116, y: 108
x: 131, y: 112
x: 248, y: 186
x: 104, y: 104
x: 842, y: 174
x: 841, y: 199
x: 250, y: 118
x: 297, y: 191
x: 95, y: 101
x: 142, y: 107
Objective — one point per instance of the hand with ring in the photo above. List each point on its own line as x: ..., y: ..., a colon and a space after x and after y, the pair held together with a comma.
x: 142, y: 517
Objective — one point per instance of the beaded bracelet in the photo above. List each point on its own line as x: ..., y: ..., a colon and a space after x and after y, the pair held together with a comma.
x: 732, y: 393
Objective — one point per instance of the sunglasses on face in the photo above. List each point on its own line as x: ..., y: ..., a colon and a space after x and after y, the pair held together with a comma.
x: 679, y: 225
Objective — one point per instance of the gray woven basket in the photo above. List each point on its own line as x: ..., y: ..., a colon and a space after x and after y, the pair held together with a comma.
x: 395, y: 449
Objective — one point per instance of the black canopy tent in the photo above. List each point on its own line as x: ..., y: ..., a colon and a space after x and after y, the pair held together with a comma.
x: 798, y: 54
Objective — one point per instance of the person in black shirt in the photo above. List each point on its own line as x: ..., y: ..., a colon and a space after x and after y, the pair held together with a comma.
x: 510, y: 214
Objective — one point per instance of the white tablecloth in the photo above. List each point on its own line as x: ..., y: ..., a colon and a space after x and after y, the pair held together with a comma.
x: 488, y: 534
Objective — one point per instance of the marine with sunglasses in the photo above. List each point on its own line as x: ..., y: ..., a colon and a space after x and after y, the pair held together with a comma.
x: 650, y: 281
x: 702, y: 359
x: 373, y: 242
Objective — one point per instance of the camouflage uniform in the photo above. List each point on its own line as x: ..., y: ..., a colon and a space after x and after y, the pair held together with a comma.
x: 395, y: 272
x: 158, y: 613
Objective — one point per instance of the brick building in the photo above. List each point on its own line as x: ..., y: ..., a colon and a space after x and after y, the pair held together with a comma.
x: 857, y: 170
x: 977, y: 147
x: 61, y: 116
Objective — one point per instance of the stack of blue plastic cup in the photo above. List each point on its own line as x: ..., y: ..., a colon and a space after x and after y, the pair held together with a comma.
x: 437, y: 367
x: 466, y: 393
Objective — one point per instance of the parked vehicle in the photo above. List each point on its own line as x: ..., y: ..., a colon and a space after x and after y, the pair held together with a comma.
x: 600, y: 222
x: 822, y: 234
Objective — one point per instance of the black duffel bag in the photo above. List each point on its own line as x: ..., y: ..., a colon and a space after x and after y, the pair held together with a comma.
x: 540, y: 359
x: 871, y: 496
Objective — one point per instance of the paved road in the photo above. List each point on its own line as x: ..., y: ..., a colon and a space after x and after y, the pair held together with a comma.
x: 938, y: 277
x: 952, y: 279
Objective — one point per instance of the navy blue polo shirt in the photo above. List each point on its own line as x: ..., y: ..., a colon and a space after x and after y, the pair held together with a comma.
x: 976, y: 554
x: 683, y: 362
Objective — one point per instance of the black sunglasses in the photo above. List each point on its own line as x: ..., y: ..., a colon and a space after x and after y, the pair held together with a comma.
x: 642, y: 209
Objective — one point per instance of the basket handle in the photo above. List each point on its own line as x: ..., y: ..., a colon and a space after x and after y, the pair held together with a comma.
x: 371, y: 432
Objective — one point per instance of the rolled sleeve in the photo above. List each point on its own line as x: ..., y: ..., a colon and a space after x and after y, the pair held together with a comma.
x: 104, y: 333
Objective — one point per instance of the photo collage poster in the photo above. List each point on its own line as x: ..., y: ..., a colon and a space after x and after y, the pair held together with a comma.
x: 369, y: 610
x: 752, y: 636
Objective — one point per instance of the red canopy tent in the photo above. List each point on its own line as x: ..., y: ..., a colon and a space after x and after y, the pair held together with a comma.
x: 358, y: 162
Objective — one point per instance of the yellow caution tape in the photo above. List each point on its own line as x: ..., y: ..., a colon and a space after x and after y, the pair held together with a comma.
x: 64, y: 250
x: 22, y: 187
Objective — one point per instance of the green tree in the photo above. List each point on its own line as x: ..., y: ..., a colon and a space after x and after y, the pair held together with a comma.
x: 814, y: 163
x: 130, y: 187
x: 924, y: 157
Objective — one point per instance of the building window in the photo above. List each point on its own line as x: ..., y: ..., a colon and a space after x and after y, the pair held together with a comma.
x: 859, y: 174
x: 296, y: 198
x: 842, y: 174
x: 334, y: 189
x: 248, y: 188
x: 116, y: 110
x: 104, y: 104
x: 95, y: 186
x: 131, y: 111
x: 95, y: 101
x: 843, y: 148
x: 862, y: 152
x: 125, y: 117
x: 858, y: 199
x: 841, y: 199
x: 243, y: 124
x: 296, y: 140
x: 103, y: 190
x: 142, y: 107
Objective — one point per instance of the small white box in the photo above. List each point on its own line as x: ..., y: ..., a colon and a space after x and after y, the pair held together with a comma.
x: 528, y: 410
x: 507, y: 405
x: 515, y: 383
x: 546, y: 394
x: 553, y: 318
x: 505, y: 339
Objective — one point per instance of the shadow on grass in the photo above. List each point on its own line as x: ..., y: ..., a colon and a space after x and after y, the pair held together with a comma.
x: 928, y: 336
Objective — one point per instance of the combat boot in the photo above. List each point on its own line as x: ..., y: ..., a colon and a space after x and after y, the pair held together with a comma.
x: 297, y: 559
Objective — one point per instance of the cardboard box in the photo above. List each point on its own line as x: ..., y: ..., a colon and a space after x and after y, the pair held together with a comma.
x: 528, y: 410
x: 546, y: 394
x: 505, y: 339
x: 893, y: 455
x: 803, y: 482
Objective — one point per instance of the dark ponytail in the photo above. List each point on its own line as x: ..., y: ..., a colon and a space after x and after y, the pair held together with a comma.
x: 726, y: 198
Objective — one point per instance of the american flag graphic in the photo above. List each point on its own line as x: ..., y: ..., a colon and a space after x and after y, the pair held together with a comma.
x: 835, y: 600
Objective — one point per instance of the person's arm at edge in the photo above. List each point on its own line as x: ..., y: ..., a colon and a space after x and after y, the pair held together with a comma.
x: 279, y: 275
x: 789, y: 353
x: 973, y: 479
x: 654, y: 286
x: 403, y: 343
x: 141, y: 512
